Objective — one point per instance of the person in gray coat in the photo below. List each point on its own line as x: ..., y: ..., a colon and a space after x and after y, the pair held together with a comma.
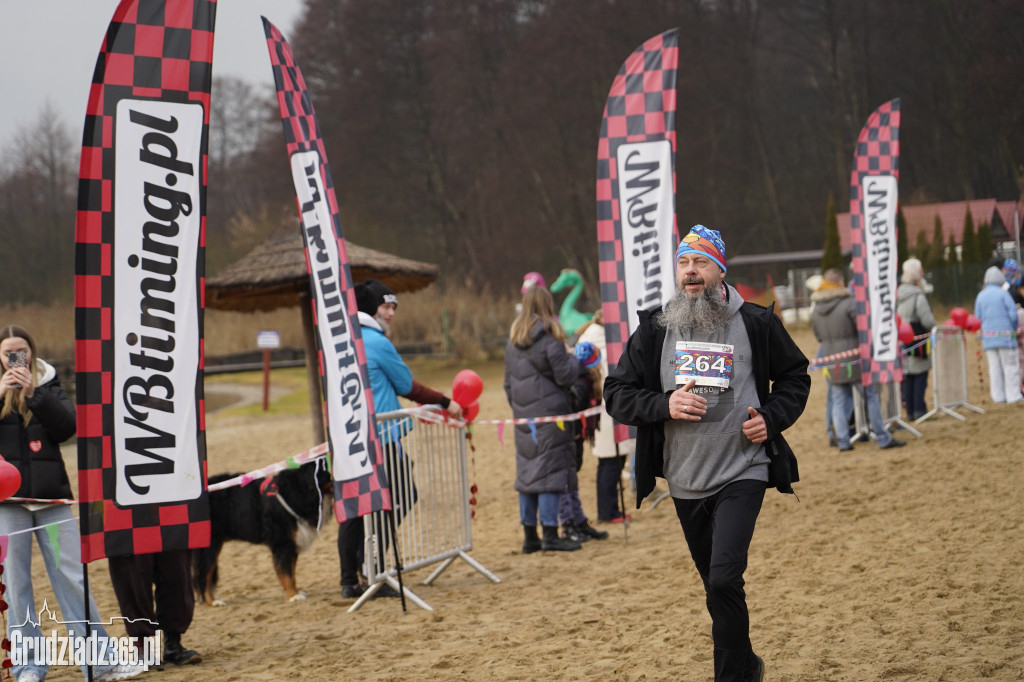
x: 539, y: 369
x: 912, y: 307
x: 834, y: 322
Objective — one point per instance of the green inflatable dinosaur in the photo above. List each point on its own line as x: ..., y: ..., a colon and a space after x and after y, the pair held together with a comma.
x: 570, y: 318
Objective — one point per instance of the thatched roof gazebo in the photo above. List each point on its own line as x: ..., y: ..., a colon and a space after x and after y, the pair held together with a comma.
x: 273, y: 275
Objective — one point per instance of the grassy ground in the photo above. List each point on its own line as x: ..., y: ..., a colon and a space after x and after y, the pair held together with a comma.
x: 290, y: 394
x: 459, y: 321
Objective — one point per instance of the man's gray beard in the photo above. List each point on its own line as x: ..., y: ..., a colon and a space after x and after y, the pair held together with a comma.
x: 384, y: 326
x: 708, y: 313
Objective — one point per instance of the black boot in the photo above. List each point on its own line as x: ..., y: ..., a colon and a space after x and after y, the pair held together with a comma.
x: 531, y: 543
x: 176, y: 654
x: 570, y: 531
x: 553, y: 543
x: 588, y: 531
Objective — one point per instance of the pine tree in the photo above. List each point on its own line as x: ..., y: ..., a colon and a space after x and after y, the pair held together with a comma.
x: 901, y: 236
x: 969, y: 249
x: 975, y: 264
x: 936, y: 257
x: 832, y: 255
x: 921, y: 249
x: 984, y: 241
x: 951, y: 255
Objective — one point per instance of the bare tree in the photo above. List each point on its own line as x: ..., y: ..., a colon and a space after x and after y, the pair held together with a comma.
x: 37, y: 211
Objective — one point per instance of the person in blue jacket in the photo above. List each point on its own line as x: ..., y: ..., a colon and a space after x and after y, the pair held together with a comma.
x: 998, y: 315
x: 390, y: 378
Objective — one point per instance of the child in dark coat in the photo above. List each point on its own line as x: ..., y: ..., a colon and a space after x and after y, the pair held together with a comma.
x: 585, y: 392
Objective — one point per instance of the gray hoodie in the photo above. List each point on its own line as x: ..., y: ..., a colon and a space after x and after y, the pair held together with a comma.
x: 703, y: 457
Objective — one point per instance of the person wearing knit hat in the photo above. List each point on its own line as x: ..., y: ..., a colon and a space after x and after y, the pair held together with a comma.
x: 834, y: 322
x: 390, y: 378
x: 587, y: 354
x: 998, y: 316
x: 1010, y: 269
x: 912, y: 307
x: 1012, y: 274
x: 611, y: 456
x: 710, y: 382
x: 530, y: 280
x: 377, y: 300
x: 704, y: 241
x: 585, y: 392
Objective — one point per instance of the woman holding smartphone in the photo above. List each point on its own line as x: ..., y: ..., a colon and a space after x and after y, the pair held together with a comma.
x: 36, y: 415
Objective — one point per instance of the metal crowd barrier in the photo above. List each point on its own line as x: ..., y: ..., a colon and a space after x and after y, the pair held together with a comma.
x: 890, y: 394
x: 891, y: 400
x: 890, y: 397
x: 949, y: 373
x: 429, y: 477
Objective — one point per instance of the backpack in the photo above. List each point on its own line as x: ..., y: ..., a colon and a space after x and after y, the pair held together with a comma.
x: 922, y: 350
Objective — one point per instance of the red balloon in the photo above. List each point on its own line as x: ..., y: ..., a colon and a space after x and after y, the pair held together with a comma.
x: 467, y: 387
x: 973, y: 324
x: 948, y: 323
x: 469, y: 412
x: 10, y: 479
x: 959, y: 316
x: 906, y: 333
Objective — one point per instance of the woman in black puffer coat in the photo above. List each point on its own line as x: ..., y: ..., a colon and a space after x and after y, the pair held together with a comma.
x: 539, y: 369
x: 36, y: 415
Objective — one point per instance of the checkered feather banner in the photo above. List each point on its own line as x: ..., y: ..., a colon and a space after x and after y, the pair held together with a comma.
x: 636, y: 182
x: 360, y: 485
x: 139, y: 274
x: 873, y: 204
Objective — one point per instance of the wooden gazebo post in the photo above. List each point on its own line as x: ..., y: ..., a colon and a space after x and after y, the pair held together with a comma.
x: 316, y: 403
x: 273, y: 275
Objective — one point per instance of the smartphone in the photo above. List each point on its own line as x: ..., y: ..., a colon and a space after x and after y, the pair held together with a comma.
x: 16, y: 358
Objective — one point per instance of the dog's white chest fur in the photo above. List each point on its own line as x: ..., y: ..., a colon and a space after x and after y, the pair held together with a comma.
x: 304, y: 535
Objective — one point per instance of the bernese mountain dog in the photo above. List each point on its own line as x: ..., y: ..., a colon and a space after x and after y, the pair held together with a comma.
x: 283, y: 512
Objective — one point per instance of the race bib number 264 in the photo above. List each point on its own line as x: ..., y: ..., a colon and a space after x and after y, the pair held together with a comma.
x: 710, y: 364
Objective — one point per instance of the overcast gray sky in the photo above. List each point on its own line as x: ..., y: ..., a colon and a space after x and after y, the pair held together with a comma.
x: 49, y: 51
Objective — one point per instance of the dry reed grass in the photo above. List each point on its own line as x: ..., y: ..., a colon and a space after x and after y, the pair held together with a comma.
x: 52, y: 327
x: 477, y: 321
x: 477, y: 324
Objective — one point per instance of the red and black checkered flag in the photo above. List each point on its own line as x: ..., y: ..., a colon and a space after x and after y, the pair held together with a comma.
x: 356, y: 456
x: 873, y: 203
x: 139, y: 274
x: 636, y: 182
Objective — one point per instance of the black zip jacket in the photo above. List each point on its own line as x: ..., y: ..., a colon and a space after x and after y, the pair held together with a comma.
x: 633, y: 393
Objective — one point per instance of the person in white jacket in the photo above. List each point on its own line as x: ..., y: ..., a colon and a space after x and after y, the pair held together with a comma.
x: 610, y: 459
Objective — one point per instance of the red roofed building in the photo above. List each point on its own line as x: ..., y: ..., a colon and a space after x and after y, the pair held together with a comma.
x: 998, y: 214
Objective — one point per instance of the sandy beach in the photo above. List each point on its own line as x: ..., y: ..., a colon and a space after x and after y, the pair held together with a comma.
x: 902, y: 564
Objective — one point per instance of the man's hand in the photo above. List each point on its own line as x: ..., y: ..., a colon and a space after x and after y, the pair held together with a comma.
x: 455, y: 410
x: 685, y: 405
x: 754, y: 428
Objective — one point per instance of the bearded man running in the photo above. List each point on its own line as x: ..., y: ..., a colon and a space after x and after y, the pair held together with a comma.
x: 710, y: 382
